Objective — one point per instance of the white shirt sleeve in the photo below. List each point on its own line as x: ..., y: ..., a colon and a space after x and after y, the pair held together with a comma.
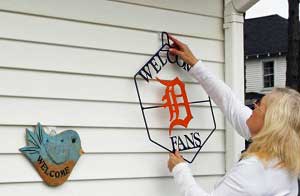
x: 234, y: 110
x: 238, y: 182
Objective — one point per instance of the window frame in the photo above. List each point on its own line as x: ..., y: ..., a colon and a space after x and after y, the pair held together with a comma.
x: 270, y: 75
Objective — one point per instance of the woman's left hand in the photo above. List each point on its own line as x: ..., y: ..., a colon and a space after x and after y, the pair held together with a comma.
x: 174, y: 159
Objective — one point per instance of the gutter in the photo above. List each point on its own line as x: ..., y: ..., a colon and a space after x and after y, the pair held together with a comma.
x: 234, y: 68
x: 243, y: 5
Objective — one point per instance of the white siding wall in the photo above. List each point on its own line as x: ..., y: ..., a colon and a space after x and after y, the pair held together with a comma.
x: 69, y: 63
x: 254, y: 74
x: 254, y: 79
x: 280, y: 72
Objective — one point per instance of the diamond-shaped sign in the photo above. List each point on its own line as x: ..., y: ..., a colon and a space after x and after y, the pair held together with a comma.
x: 173, y: 113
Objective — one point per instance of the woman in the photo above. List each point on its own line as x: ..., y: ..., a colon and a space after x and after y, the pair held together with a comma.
x: 271, y: 164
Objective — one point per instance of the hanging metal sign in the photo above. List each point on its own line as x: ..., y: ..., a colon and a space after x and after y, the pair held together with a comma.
x: 54, y: 157
x: 172, y: 120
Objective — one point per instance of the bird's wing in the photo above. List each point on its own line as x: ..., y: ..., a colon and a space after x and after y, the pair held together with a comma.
x: 35, y: 138
x: 31, y: 152
x: 39, y: 133
x: 30, y: 149
x: 32, y: 139
x: 34, y: 142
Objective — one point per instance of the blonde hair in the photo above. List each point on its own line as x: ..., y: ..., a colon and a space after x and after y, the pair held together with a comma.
x: 279, y: 137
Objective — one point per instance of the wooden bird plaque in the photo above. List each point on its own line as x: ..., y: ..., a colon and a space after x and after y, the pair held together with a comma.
x: 53, y: 156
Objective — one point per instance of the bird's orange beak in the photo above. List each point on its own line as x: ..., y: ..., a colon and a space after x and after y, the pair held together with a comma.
x: 81, y: 152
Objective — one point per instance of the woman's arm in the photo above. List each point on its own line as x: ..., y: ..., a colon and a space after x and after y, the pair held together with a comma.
x: 234, y: 110
x: 245, y: 178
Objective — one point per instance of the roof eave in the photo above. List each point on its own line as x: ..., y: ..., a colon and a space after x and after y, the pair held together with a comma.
x: 265, y: 55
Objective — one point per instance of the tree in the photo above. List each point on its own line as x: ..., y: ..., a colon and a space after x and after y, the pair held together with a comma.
x: 293, y: 60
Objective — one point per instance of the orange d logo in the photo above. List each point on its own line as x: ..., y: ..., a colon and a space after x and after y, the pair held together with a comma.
x: 171, y: 101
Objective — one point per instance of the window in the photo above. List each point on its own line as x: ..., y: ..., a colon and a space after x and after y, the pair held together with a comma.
x: 268, y: 74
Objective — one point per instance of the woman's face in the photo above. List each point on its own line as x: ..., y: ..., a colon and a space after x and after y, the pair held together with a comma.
x: 256, y: 121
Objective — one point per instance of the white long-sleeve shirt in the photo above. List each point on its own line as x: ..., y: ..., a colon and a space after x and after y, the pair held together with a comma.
x: 248, y: 177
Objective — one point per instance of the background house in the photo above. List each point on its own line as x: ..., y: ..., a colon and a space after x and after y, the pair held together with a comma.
x: 266, y: 43
x: 69, y: 63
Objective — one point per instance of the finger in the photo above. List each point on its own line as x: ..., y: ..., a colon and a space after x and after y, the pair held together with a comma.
x: 174, y: 46
x: 171, y: 155
x: 176, y: 52
x: 177, y: 153
x: 176, y: 41
x: 169, y: 166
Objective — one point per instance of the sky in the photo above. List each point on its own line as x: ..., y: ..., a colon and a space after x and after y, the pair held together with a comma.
x: 268, y: 7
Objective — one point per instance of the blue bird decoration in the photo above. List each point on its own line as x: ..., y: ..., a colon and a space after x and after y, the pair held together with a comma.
x: 54, y: 157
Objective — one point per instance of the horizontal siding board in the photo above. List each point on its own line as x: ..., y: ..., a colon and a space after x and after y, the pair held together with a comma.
x: 92, y: 36
x: 128, y: 187
x: 202, y: 7
x: 109, y: 140
x: 114, y: 13
x: 111, y: 166
x: 83, y: 87
x: 82, y: 61
x: 26, y: 111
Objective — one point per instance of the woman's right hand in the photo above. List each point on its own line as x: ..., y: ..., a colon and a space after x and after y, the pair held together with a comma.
x: 183, y: 51
x: 174, y: 159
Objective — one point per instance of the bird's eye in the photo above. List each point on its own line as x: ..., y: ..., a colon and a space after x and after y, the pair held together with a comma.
x: 73, y: 140
x: 62, y: 140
